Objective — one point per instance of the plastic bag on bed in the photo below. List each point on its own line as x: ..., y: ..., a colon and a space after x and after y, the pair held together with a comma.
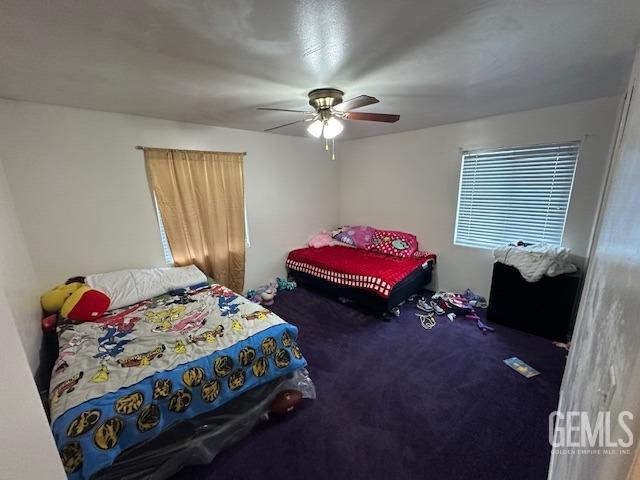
x: 200, y: 439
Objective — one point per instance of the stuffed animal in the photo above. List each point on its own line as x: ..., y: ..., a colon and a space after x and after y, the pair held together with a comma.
x: 53, y: 300
x: 75, y: 301
x: 322, y: 239
x: 283, y: 284
x: 264, y: 294
x: 85, y: 305
x: 268, y: 295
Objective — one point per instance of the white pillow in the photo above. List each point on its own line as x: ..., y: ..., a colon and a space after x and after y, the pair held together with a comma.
x: 127, y: 287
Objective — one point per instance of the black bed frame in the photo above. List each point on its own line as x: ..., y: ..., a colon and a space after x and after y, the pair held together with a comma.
x: 412, y: 283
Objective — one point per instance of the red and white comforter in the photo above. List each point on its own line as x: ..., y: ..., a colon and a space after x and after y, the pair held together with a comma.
x: 357, y: 268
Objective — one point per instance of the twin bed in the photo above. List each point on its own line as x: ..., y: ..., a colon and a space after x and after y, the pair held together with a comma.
x: 380, y: 282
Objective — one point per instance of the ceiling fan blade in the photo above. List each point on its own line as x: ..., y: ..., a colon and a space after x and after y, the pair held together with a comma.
x: 372, y: 117
x: 285, y: 110
x: 357, y: 102
x: 287, y: 124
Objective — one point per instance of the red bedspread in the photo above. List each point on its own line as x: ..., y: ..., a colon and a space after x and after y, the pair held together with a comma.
x: 355, y: 267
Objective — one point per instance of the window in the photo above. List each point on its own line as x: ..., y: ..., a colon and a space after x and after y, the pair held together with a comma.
x: 166, y: 249
x: 517, y: 193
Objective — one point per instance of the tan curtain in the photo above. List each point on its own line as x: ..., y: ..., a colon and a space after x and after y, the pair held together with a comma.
x: 201, y: 200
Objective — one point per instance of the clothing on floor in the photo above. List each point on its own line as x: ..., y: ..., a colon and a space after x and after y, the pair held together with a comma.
x: 456, y: 304
x: 475, y: 300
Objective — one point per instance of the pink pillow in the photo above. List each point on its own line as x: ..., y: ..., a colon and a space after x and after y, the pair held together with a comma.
x: 322, y: 239
x: 397, y: 244
x: 359, y: 236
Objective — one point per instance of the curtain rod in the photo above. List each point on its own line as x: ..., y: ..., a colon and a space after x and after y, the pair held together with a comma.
x: 140, y: 147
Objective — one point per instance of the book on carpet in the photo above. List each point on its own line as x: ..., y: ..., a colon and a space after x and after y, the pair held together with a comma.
x: 521, y: 367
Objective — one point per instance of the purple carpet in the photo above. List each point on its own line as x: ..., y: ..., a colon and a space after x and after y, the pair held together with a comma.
x: 396, y: 401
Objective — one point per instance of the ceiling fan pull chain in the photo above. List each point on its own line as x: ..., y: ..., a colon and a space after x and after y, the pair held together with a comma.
x: 326, y: 145
x: 333, y: 149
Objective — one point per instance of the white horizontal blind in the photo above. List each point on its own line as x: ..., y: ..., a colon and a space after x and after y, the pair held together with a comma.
x: 517, y: 193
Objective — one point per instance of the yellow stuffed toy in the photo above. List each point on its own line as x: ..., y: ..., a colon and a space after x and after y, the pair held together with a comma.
x: 53, y: 300
x: 75, y: 301
x: 85, y: 305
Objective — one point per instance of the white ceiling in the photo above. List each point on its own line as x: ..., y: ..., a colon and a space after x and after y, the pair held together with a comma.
x: 214, y: 61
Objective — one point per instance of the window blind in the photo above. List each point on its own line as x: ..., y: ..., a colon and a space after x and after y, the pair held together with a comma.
x: 166, y: 249
x: 517, y: 193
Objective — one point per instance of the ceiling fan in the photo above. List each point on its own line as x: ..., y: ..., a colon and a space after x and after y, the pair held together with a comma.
x: 330, y: 109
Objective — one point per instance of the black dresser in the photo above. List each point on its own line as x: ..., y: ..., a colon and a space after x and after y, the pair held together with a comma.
x: 545, y: 308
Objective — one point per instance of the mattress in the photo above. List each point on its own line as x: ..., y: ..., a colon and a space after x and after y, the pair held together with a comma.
x: 356, y: 268
x: 140, y: 370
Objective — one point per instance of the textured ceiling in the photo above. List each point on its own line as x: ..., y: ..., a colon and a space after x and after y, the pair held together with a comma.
x: 215, y: 61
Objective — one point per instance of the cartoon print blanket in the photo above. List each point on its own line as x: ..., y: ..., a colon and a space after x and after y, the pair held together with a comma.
x: 140, y: 369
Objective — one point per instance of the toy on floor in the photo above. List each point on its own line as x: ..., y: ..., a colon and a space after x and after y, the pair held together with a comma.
x: 286, y: 401
x: 264, y: 294
x: 283, y: 284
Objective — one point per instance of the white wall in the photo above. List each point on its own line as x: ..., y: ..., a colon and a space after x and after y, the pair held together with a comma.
x: 409, y: 181
x: 17, y: 277
x: 82, y: 195
x: 28, y: 451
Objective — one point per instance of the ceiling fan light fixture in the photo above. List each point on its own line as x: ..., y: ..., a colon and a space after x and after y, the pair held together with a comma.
x: 315, y: 128
x: 333, y: 128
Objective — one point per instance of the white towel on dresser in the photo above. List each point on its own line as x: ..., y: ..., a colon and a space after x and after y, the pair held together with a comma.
x: 537, y: 260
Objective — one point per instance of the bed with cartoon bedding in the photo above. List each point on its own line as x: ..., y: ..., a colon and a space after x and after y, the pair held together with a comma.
x: 138, y: 370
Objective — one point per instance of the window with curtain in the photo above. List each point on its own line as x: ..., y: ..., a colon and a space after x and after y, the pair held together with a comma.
x: 166, y: 249
x: 200, y: 203
x: 517, y: 193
